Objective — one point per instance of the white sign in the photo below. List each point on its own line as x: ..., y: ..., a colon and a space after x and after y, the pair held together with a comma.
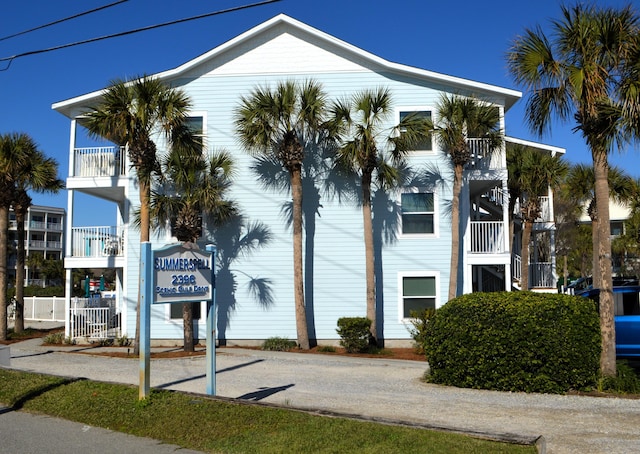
x: 182, y: 274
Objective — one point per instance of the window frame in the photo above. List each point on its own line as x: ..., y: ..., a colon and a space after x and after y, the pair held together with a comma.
x: 419, y: 108
x: 401, y: 297
x: 436, y: 219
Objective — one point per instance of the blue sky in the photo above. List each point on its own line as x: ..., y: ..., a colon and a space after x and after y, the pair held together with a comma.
x: 466, y: 39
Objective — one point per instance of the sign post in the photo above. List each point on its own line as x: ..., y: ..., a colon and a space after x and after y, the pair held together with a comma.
x: 179, y: 273
x: 211, y: 328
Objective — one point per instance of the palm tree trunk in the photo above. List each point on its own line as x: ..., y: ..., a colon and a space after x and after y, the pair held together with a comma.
x: 524, y: 254
x: 455, y: 231
x: 369, y: 257
x: 18, y: 325
x: 607, y: 326
x: 4, y: 227
x: 187, y: 321
x: 301, y: 315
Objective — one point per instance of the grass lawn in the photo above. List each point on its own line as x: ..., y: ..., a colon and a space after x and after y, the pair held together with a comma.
x: 212, y: 425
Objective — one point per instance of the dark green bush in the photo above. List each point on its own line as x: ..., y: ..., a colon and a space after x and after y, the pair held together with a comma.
x: 355, y: 333
x: 418, y: 331
x: 279, y: 344
x: 515, y: 341
x: 34, y: 290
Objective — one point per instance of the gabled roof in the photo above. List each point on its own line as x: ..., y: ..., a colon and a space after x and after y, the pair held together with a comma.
x: 68, y: 106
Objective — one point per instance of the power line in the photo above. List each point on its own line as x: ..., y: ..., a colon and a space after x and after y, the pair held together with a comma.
x: 63, y: 20
x: 130, y: 32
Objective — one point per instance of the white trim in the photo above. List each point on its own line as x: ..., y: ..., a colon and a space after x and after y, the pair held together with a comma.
x: 511, y: 96
x: 436, y: 214
x: 528, y: 143
x: 422, y: 273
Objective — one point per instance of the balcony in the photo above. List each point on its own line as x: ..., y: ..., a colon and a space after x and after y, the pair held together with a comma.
x: 487, y: 237
x: 99, y: 162
x: 545, y: 209
x: 540, y: 273
x: 482, y: 158
x: 97, y: 242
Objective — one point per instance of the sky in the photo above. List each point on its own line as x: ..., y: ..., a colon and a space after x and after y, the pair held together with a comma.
x: 466, y: 38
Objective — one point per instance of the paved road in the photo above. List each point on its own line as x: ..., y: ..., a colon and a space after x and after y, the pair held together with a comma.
x: 376, y: 388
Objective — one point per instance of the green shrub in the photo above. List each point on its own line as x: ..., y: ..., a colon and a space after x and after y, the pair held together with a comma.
x: 54, y: 338
x: 418, y: 331
x: 34, y: 290
x: 355, y: 333
x: 626, y: 380
x: 123, y: 341
x: 279, y: 344
x: 515, y: 341
x: 326, y: 349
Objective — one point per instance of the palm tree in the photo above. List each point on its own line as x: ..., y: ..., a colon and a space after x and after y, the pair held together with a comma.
x: 587, y: 70
x: 581, y: 185
x: 538, y: 171
x: 15, y: 150
x: 195, y: 187
x: 374, y: 153
x: 130, y: 114
x: 283, y: 124
x: 40, y: 175
x: 460, y: 119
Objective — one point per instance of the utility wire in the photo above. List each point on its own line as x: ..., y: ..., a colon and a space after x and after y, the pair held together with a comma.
x: 63, y: 20
x: 130, y: 32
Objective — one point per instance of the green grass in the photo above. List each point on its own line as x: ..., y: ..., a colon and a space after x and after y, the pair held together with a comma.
x: 219, y: 426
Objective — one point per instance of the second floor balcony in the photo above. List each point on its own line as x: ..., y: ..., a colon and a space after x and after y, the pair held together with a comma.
x: 97, y: 242
x: 487, y: 237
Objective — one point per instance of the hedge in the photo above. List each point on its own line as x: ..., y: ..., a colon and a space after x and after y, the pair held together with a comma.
x: 515, y: 341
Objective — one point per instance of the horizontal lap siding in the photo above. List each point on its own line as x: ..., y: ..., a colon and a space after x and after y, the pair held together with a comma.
x: 338, y: 247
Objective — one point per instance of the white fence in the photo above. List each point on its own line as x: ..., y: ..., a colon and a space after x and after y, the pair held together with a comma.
x: 94, y: 318
x: 42, y: 308
x: 487, y: 237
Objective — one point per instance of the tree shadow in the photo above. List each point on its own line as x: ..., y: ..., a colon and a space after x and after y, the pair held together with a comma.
x: 238, y: 238
x: 263, y: 393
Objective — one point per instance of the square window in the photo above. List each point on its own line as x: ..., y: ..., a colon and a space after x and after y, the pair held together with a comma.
x: 418, y: 293
x: 417, y: 213
x: 176, y: 311
x: 427, y: 144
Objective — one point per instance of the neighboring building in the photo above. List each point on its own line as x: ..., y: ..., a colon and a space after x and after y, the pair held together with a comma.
x: 412, y: 265
x: 44, y: 236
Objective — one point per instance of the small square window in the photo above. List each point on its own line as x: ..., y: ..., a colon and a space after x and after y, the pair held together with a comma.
x: 417, y: 213
x: 427, y: 144
x: 418, y: 294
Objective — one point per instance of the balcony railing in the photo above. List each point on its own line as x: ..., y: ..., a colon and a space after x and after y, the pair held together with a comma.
x: 99, y: 162
x: 487, y: 237
x: 97, y: 241
x: 545, y: 209
x: 540, y: 273
x: 481, y: 155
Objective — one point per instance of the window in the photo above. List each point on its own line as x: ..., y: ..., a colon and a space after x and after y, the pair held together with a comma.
x: 419, y: 292
x: 176, y: 311
x: 425, y: 145
x: 418, y: 210
x: 617, y: 228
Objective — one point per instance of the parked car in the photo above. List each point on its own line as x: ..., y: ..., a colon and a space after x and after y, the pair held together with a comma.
x: 626, y: 297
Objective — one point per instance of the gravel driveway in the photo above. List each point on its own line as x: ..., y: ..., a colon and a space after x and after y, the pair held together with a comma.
x: 373, y: 388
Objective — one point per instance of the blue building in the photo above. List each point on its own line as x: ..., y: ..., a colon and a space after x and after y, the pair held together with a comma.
x: 412, y: 267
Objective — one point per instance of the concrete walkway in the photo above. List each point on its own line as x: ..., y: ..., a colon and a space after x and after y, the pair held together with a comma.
x: 373, y: 388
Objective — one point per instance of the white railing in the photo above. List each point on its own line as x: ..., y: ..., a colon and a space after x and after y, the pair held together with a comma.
x: 541, y: 275
x: 487, y: 237
x: 516, y: 267
x: 498, y: 196
x: 92, y: 322
x: 482, y: 156
x: 54, y: 245
x: 99, y: 162
x: 42, y: 308
x: 97, y: 241
x: 55, y: 226
x: 545, y: 209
